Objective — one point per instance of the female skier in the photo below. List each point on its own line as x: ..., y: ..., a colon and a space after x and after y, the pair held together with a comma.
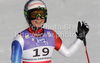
x: 36, y: 44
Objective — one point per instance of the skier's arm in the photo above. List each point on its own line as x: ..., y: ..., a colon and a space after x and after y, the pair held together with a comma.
x: 68, y: 52
x: 62, y: 49
x: 17, y: 47
x: 71, y: 50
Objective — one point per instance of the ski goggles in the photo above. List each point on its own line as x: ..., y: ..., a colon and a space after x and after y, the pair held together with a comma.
x: 38, y: 12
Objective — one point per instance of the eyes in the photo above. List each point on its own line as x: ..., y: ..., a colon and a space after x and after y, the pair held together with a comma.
x: 34, y: 15
x: 37, y: 13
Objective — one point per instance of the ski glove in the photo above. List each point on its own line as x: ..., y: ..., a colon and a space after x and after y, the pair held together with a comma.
x: 82, y: 30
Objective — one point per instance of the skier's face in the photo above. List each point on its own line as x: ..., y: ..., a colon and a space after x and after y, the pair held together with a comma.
x: 38, y: 22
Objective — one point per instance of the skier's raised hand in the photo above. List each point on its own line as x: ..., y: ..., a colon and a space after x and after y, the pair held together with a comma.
x: 82, y: 30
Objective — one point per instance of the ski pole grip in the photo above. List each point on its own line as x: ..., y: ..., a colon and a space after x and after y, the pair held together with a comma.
x: 84, y: 41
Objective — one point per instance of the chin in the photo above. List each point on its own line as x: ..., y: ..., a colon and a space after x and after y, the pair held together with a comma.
x: 39, y: 25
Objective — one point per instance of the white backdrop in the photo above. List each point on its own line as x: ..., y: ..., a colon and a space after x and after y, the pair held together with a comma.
x: 60, y: 13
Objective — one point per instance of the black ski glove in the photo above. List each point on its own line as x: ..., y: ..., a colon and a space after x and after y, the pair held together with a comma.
x: 82, y: 30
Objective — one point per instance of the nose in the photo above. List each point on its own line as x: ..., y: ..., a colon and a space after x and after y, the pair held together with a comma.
x: 38, y: 17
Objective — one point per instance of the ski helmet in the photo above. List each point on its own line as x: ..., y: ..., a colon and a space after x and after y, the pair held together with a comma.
x: 33, y: 5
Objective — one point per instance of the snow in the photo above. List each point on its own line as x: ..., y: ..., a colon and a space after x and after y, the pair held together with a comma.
x: 60, y: 13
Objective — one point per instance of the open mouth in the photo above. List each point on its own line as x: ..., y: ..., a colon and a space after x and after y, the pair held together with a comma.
x: 38, y: 22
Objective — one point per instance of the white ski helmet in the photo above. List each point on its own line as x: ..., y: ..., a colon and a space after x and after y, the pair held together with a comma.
x: 34, y: 4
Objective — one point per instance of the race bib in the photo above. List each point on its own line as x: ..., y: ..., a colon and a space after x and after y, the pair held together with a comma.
x: 38, y: 53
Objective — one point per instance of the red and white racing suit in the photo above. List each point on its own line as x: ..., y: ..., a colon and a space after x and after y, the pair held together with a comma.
x: 31, y: 48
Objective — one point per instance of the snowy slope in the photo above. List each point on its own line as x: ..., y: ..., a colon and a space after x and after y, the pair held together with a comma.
x: 61, y: 13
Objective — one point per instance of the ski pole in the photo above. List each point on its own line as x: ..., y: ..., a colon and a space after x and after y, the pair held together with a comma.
x: 86, y: 49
